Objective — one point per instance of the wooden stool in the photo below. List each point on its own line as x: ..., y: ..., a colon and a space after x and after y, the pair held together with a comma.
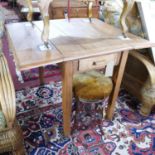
x: 91, y: 86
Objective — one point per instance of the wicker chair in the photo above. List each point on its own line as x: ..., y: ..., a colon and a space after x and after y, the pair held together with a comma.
x: 11, y: 138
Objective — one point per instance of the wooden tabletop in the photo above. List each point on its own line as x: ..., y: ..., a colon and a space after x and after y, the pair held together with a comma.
x: 25, y: 41
x: 79, y: 38
x: 69, y: 40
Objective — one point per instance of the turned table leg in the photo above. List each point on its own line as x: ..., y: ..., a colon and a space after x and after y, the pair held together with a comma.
x: 116, y: 88
x: 128, y: 4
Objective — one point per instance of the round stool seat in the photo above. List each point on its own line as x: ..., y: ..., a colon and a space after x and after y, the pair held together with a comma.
x: 91, y: 85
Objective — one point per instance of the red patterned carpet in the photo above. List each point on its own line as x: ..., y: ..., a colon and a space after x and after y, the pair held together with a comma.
x: 40, y: 115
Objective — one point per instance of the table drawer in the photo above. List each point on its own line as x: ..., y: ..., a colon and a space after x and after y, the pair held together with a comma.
x: 98, y: 62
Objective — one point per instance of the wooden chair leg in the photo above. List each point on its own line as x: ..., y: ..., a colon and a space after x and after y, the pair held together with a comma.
x: 30, y: 13
x: 128, y: 4
x: 41, y: 75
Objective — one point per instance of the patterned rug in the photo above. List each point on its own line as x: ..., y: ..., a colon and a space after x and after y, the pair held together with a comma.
x: 40, y: 115
x: 33, y: 74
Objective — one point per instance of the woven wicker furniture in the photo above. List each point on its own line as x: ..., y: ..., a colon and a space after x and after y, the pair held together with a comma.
x: 11, y: 138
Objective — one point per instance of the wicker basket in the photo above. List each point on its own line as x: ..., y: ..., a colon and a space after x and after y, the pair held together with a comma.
x: 12, y: 140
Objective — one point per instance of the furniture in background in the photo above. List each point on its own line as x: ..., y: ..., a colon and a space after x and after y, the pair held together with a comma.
x: 78, y: 45
x: 44, y: 9
x: 147, y: 16
x: 140, y: 70
x: 139, y: 79
x: 142, y: 76
x: 58, y: 9
x: 11, y: 136
x: 110, y: 11
x: 24, y: 9
x: 43, y: 6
